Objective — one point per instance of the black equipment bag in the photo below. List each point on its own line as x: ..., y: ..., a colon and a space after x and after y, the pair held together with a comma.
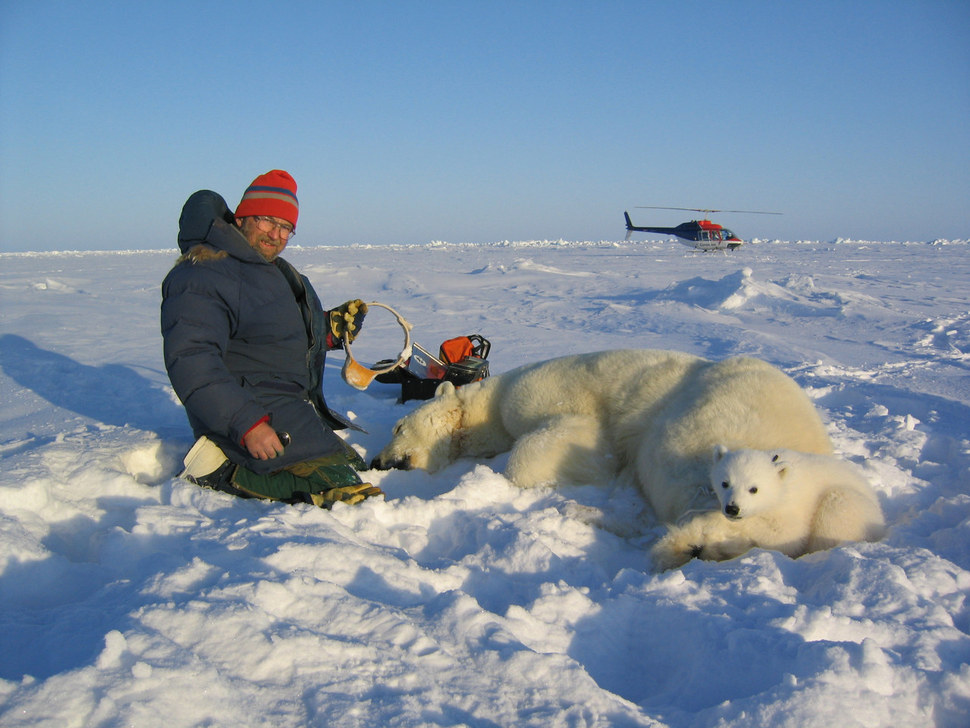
x: 461, y: 360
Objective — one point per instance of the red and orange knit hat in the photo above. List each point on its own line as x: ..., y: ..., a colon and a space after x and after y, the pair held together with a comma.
x: 272, y: 194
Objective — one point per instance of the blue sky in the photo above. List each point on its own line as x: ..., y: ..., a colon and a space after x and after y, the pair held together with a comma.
x: 485, y: 121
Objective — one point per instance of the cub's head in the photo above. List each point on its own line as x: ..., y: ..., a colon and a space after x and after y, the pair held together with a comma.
x: 747, y: 482
x: 427, y: 438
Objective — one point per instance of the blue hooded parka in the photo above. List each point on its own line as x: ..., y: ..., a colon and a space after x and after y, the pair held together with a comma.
x: 244, y: 339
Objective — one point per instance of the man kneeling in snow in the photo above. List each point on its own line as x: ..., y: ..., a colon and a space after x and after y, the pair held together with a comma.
x: 245, y: 342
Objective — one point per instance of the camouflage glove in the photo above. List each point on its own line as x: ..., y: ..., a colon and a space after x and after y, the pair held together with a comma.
x: 347, y: 319
x: 349, y: 494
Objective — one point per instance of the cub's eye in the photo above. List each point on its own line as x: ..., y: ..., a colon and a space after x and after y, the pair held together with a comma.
x: 725, y: 484
x: 753, y: 490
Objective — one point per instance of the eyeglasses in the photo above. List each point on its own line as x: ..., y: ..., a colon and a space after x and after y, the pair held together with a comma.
x: 268, y: 225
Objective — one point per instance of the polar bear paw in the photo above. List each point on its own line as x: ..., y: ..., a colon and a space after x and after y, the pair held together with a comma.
x: 671, y: 552
x: 709, y: 536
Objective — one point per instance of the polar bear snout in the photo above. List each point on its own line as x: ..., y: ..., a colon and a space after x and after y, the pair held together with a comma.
x: 402, y: 462
x: 731, y: 510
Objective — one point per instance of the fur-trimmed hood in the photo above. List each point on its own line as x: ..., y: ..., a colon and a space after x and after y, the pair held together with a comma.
x: 201, y: 253
x: 207, y: 231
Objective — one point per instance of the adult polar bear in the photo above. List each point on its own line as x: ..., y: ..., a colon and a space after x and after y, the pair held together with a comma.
x: 655, y: 415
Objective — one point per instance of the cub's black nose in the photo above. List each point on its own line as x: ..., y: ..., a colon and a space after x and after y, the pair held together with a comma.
x: 731, y: 510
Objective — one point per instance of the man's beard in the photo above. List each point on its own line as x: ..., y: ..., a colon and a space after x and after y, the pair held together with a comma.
x: 267, y: 247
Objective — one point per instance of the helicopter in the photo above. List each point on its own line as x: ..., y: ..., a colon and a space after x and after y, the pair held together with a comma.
x: 699, y: 234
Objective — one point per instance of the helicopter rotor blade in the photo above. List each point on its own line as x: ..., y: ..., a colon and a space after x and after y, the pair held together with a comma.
x: 698, y: 209
x: 754, y: 212
x: 688, y: 209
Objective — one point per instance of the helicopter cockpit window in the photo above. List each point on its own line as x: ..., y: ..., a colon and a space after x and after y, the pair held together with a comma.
x: 728, y: 234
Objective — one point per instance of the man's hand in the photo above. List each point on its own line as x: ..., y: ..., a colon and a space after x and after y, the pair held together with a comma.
x: 347, y: 318
x: 263, y: 442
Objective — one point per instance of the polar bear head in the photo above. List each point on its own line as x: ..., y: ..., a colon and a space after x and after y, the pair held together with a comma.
x: 747, y: 482
x: 425, y: 438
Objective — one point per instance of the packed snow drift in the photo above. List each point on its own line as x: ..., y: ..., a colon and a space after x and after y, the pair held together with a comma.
x: 130, y: 597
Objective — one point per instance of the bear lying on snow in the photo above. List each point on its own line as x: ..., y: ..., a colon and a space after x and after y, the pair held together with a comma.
x: 790, y: 501
x: 655, y: 415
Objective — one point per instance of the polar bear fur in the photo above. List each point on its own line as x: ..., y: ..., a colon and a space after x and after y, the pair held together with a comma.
x: 780, y: 499
x: 653, y: 415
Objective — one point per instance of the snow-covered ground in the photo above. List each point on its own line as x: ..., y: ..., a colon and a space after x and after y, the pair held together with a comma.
x: 131, y: 598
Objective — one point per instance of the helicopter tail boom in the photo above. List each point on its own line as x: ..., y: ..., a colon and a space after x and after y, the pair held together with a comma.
x: 630, y: 227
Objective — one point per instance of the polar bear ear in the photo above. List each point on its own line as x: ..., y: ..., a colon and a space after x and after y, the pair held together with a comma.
x: 444, y: 389
x: 719, y: 452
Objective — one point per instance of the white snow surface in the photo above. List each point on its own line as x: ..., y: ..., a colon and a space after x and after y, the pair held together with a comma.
x: 131, y: 598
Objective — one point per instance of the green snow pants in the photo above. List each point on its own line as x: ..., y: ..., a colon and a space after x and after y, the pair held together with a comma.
x: 322, y: 481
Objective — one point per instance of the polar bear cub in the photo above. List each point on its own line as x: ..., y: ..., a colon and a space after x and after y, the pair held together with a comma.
x: 790, y: 501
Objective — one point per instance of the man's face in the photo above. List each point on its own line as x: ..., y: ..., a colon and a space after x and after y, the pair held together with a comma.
x: 268, y: 243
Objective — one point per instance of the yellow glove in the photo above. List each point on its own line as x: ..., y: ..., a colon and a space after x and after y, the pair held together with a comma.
x: 347, y: 319
x: 349, y: 494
